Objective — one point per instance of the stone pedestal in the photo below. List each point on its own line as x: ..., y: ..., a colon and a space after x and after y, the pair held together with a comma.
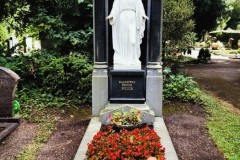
x: 154, y: 88
x: 99, y: 89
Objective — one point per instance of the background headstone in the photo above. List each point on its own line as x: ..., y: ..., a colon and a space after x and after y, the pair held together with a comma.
x: 8, y: 84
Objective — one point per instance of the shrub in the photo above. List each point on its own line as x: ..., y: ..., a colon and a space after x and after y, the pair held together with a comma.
x: 66, y: 76
x: 179, y: 87
x: 204, y: 55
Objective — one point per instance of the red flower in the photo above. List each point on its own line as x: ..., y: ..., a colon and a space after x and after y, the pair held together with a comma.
x: 136, y: 144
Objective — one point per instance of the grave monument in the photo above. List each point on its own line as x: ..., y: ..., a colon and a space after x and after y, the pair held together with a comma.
x: 127, y: 47
x: 8, y: 84
x: 127, y: 70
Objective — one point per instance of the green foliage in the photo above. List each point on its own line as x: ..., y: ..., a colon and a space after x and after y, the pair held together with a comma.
x: 68, y: 76
x: 32, y: 99
x: 224, y: 126
x: 204, y: 55
x: 234, y: 14
x: 3, y: 33
x: 238, y: 27
x: 3, y: 37
x: 206, y: 14
x: 66, y: 26
x: 46, y: 73
x: 177, y: 25
x: 121, y: 117
x: 179, y: 87
x: 63, y: 37
x: 13, y: 14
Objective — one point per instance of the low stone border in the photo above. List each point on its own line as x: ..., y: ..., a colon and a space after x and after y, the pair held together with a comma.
x: 8, y: 129
x: 161, y: 129
x: 9, y: 124
x: 93, y: 127
x: 159, y: 126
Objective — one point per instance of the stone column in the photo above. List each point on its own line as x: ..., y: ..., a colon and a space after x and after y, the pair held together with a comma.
x: 154, y: 80
x: 99, y: 89
x: 155, y: 31
x: 100, y: 72
x: 100, y: 34
x: 154, y: 88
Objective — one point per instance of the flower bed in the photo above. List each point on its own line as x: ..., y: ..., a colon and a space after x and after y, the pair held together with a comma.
x: 135, y: 144
x: 125, y: 118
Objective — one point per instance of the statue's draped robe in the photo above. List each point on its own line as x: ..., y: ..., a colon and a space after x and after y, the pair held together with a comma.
x: 128, y: 25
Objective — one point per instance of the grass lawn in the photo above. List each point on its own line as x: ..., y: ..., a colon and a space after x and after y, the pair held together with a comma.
x: 221, y: 52
x: 223, y: 125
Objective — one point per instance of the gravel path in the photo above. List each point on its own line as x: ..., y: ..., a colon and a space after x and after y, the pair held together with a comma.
x: 220, y: 76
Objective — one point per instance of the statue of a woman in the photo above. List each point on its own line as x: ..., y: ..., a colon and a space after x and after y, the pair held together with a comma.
x: 127, y: 18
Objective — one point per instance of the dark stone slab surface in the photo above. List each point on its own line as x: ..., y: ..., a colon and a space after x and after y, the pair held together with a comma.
x: 8, y: 84
x: 8, y: 128
x: 15, y: 119
x: 100, y: 24
x: 127, y: 86
x: 155, y: 30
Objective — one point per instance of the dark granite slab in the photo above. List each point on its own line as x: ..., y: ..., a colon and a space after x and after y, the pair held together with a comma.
x: 127, y: 86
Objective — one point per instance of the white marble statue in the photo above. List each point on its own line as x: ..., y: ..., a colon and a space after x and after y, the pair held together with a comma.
x: 127, y: 18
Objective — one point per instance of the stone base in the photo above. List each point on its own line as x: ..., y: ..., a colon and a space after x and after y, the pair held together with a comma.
x: 127, y: 67
x: 154, y: 89
x: 159, y: 127
x: 99, y: 89
x: 16, y: 119
x: 9, y: 124
x: 147, y: 115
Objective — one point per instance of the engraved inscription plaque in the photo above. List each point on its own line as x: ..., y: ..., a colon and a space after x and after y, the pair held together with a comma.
x: 127, y: 86
x: 8, y: 84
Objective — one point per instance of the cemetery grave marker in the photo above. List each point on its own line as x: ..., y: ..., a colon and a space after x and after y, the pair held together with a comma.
x: 127, y: 72
x: 8, y: 85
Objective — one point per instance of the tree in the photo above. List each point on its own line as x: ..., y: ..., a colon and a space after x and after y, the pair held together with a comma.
x: 177, y: 24
x: 3, y: 37
x: 206, y: 14
x: 12, y: 14
x: 66, y: 25
x: 234, y: 15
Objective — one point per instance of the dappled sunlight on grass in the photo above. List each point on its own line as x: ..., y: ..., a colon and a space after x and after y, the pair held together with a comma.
x: 224, y: 127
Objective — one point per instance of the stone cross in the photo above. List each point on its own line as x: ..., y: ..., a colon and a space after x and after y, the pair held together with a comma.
x: 8, y: 84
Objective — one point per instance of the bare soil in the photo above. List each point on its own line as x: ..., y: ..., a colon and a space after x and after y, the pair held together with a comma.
x: 186, y: 127
x: 17, y: 141
x: 189, y: 134
x: 64, y: 143
x: 70, y: 129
